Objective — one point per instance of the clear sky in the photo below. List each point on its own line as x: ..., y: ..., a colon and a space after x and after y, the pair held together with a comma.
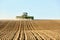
x: 38, y: 8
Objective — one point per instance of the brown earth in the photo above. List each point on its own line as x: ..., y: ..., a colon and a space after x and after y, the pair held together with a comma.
x: 29, y: 29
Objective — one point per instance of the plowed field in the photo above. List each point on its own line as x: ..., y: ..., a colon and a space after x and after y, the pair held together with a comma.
x: 29, y: 29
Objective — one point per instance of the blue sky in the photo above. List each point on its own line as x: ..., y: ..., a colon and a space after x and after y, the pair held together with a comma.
x: 40, y: 9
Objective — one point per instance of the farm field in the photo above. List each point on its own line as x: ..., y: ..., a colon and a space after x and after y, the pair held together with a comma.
x: 29, y: 29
